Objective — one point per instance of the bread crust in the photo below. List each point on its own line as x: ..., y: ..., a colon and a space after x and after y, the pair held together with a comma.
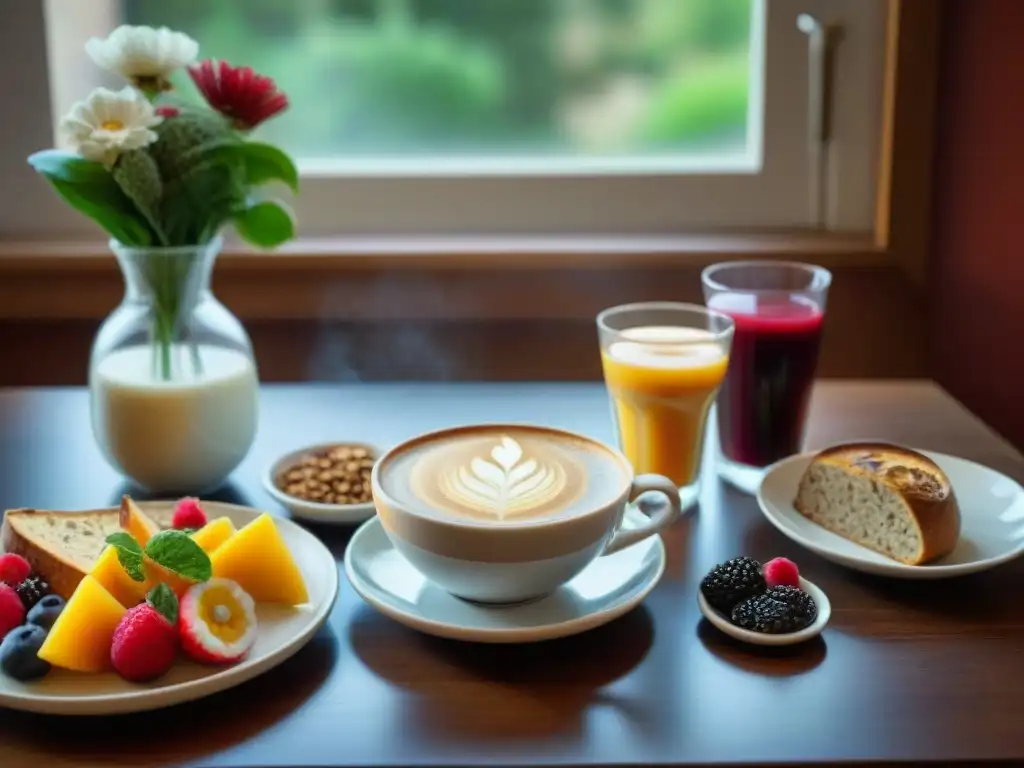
x: 931, y: 500
x: 62, y: 574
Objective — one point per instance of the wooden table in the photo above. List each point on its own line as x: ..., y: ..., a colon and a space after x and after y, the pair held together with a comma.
x: 906, y: 671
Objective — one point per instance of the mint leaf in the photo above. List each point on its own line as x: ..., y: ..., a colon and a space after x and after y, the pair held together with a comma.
x: 129, y: 554
x: 176, y: 551
x: 163, y: 599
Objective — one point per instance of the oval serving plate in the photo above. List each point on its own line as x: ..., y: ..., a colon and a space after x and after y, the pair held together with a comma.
x: 282, y: 632
x: 991, y: 510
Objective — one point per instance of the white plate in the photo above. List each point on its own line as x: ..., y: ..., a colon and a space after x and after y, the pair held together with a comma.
x: 992, y: 521
x: 608, y: 588
x: 721, y: 621
x: 315, y: 512
x: 282, y: 632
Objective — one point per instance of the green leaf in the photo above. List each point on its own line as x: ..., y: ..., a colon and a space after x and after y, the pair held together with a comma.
x: 263, y: 163
x: 165, y: 601
x: 129, y: 554
x: 123, y: 226
x: 138, y: 176
x: 176, y: 551
x: 89, y: 188
x: 198, y: 203
x: 266, y: 224
x: 67, y: 166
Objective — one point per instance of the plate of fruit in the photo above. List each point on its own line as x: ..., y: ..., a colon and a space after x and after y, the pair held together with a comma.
x: 135, y: 608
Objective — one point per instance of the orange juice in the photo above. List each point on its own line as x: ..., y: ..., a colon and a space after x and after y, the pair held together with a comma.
x: 662, y: 381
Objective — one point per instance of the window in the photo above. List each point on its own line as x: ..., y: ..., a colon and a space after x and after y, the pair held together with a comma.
x: 541, y: 116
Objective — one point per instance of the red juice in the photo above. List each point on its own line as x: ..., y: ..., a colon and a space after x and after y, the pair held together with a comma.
x: 762, y: 405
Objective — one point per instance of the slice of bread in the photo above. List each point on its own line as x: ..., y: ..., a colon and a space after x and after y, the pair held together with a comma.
x: 885, y: 497
x: 63, y: 546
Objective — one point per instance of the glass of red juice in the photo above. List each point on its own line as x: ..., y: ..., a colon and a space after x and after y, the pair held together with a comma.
x: 778, y: 309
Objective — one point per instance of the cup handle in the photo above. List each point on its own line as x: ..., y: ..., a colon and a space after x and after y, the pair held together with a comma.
x: 665, y: 511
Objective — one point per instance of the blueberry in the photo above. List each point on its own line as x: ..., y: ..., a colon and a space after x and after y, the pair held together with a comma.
x: 46, y: 611
x: 19, y: 653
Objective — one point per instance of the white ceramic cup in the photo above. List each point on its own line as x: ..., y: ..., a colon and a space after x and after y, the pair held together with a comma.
x: 497, y: 563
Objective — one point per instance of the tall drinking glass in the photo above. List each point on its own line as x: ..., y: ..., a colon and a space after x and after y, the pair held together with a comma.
x: 778, y: 309
x: 663, y: 364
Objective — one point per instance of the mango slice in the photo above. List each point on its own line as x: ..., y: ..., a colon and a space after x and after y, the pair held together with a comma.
x: 81, y: 637
x: 214, y: 533
x: 136, y: 522
x: 112, y: 576
x: 259, y: 561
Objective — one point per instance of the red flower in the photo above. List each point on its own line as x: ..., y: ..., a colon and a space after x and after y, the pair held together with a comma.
x: 238, y: 92
x: 168, y: 111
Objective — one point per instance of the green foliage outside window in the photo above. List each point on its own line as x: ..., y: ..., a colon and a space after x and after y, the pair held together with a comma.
x: 449, y: 77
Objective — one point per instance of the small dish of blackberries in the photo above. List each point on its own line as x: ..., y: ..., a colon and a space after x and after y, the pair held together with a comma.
x: 769, y: 604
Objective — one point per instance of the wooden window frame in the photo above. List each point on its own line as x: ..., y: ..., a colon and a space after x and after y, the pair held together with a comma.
x: 477, y: 278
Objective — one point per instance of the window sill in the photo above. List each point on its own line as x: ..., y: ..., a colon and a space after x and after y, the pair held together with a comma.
x: 422, y: 278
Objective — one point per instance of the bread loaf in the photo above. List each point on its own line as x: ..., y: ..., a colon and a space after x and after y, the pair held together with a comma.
x: 891, y: 499
x: 61, y: 546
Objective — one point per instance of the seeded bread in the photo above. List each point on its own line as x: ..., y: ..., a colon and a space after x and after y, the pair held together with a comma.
x: 891, y: 499
x: 60, y: 546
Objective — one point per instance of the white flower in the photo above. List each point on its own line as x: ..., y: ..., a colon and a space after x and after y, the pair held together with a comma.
x: 109, y: 123
x: 143, y: 55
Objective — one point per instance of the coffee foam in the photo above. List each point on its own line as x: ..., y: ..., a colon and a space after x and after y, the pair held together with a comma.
x: 507, y: 476
x: 670, y: 347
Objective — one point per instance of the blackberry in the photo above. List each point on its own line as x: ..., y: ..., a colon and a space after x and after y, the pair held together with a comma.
x: 31, y: 591
x: 800, y: 603
x: 764, y: 613
x: 732, y: 582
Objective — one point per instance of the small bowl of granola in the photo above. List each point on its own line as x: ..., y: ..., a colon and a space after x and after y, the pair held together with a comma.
x: 327, y: 483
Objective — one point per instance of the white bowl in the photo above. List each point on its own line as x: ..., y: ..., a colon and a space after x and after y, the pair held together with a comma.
x: 723, y: 623
x: 313, y: 511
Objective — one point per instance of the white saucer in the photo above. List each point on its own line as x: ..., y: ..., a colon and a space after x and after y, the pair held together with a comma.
x: 282, y: 632
x: 991, y: 509
x: 312, y: 511
x: 721, y: 621
x: 608, y: 588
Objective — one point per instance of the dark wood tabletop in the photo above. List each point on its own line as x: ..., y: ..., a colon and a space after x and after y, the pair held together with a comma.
x: 906, y: 671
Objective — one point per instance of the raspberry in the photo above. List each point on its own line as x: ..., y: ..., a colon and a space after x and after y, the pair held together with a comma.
x: 188, y: 514
x: 14, y: 569
x: 781, y: 572
x: 12, y: 611
x: 145, y: 644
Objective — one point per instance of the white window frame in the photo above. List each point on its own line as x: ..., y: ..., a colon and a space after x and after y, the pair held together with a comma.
x: 775, y: 192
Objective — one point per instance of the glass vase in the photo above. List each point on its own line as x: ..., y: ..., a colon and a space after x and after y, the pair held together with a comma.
x: 173, y: 385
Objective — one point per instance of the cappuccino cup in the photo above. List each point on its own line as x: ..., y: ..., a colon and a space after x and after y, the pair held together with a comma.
x: 506, y: 513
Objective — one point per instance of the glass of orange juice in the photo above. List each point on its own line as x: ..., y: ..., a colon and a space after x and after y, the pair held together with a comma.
x: 663, y: 364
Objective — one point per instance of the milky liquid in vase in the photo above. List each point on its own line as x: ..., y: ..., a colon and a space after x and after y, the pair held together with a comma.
x: 662, y: 381
x: 187, y: 433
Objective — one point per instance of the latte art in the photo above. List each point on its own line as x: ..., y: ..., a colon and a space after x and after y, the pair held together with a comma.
x: 507, y: 475
x: 505, y: 483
